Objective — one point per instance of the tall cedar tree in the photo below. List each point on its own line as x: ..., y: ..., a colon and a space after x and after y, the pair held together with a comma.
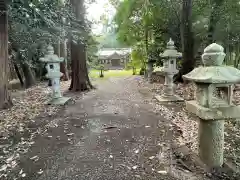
x: 187, y: 38
x: 5, y: 99
x: 214, y: 18
x: 63, y: 65
x: 80, y: 79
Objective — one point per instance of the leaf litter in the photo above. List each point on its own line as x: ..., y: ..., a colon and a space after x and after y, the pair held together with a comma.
x: 31, y: 103
x: 188, y: 124
x: 28, y: 105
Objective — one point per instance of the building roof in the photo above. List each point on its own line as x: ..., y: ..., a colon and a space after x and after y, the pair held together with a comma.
x: 108, y: 52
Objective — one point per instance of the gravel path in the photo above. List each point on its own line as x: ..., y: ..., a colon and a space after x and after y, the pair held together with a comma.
x: 111, y: 133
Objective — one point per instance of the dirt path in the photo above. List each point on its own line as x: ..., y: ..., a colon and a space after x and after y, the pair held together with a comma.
x: 109, y: 134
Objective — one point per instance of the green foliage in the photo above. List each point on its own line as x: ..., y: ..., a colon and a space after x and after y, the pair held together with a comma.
x: 160, y: 20
x: 33, y: 24
x: 109, y: 40
x: 146, y: 25
x: 92, y: 49
x: 138, y: 57
x: 39, y: 21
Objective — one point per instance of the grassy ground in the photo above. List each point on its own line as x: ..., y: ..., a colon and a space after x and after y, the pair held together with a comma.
x: 112, y: 73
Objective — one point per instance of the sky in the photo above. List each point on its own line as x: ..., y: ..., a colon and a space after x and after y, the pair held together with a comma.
x: 95, y: 10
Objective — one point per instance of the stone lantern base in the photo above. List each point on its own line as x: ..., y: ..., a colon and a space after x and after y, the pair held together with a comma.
x: 231, y: 112
x: 211, y: 130
x: 173, y: 98
x: 59, y: 101
x: 169, y: 94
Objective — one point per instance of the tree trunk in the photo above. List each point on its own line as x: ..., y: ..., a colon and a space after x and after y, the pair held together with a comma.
x: 80, y: 80
x: 214, y: 18
x: 27, y: 71
x: 63, y: 65
x: 187, y: 36
x: 57, y: 48
x: 237, y: 55
x: 14, y: 64
x: 69, y: 66
x: 28, y: 74
x: 63, y: 51
x: 79, y: 69
x: 5, y: 98
x: 12, y: 73
x: 18, y: 73
x: 146, y: 49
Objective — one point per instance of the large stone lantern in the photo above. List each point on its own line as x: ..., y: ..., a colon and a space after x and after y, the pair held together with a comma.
x: 169, y: 69
x: 53, y: 73
x: 213, y: 103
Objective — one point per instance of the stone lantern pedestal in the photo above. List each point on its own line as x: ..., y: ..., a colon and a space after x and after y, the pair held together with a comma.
x: 212, y: 107
x: 169, y: 70
x: 53, y: 73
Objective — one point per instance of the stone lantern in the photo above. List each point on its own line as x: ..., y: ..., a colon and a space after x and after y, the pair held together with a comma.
x: 213, y: 103
x: 53, y: 73
x: 169, y: 70
x: 101, y: 75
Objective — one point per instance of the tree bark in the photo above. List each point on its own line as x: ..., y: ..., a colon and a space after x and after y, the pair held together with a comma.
x: 27, y: 71
x: 79, y: 69
x: 57, y: 48
x: 80, y: 80
x: 214, y: 18
x: 18, y: 73
x: 28, y: 74
x: 187, y: 36
x: 63, y: 51
x: 12, y: 73
x: 5, y: 98
x: 63, y: 65
x: 15, y: 65
x: 147, y: 50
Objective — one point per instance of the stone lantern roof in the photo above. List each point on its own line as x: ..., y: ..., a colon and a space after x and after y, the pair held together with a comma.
x: 171, y: 51
x: 213, y: 72
x: 50, y: 57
